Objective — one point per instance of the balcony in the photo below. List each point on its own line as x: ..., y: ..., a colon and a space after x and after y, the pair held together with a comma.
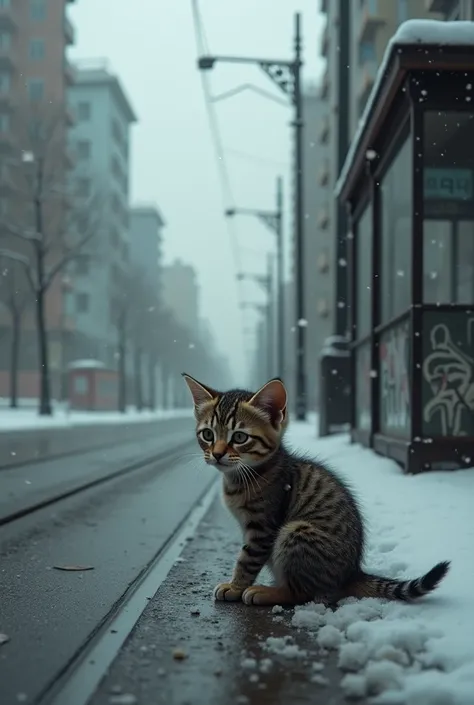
x: 69, y: 73
x: 7, y: 19
x: 323, y: 263
x: 69, y: 31
x: 324, y: 94
x: 70, y: 116
x: 324, y: 49
x: 324, y: 130
x: 323, y: 308
x: 370, y: 21
x: 323, y: 176
x: 323, y: 219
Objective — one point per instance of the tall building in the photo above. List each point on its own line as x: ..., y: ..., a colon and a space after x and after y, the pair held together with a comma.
x: 34, y: 77
x: 319, y: 282
x: 100, y: 142
x: 353, y: 43
x: 146, y: 225
x: 181, y: 294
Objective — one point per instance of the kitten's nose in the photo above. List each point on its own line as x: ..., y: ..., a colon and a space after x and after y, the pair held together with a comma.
x: 218, y: 455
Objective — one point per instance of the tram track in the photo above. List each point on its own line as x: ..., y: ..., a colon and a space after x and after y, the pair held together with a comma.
x: 59, y: 496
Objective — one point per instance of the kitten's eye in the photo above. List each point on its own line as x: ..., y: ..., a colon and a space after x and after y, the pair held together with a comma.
x: 207, y: 435
x: 240, y: 437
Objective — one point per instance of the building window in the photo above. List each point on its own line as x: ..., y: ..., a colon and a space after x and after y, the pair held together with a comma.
x: 5, y: 82
x: 5, y: 41
x: 83, y: 187
x: 84, y: 111
x: 38, y: 10
x: 4, y: 122
x: 82, y: 265
x: 83, y: 149
x: 36, y: 89
x: 364, y: 273
x: 82, y: 302
x: 448, y: 188
x: 396, y: 194
x: 37, y: 49
x: 366, y: 52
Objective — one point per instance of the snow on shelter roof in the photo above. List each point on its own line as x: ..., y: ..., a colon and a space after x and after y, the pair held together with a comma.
x: 429, y: 32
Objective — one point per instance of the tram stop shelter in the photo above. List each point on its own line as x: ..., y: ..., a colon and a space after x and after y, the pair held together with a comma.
x: 408, y: 186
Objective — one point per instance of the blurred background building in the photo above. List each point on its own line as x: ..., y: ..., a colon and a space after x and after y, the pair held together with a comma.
x: 109, y: 298
x: 99, y: 141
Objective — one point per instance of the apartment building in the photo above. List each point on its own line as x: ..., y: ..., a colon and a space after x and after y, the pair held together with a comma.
x: 100, y: 142
x: 35, y: 75
x: 146, y: 226
x: 353, y: 43
x: 181, y: 294
x: 318, y: 275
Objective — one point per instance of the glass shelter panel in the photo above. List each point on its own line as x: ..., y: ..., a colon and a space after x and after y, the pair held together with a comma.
x: 394, y: 365
x: 396, y: 196
x: 448, y: 190
x: 363, y: 418
x: 448, y: 373
x: 364, y: 273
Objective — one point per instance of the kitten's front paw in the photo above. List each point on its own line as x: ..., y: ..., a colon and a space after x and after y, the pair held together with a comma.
x: 226, y: 592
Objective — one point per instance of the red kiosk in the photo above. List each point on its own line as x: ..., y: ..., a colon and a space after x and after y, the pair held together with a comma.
x: 92, y: 387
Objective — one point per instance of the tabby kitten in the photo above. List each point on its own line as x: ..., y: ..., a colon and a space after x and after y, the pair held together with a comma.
x: 296, y: 515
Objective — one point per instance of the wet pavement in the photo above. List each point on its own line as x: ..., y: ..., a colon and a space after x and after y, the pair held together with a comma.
x: 188, y: 650
x: 116, y: 530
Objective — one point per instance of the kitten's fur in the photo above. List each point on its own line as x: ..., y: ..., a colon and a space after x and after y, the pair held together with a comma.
x: 296, y: 515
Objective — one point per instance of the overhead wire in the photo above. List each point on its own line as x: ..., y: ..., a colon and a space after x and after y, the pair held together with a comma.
x: 202, y: 45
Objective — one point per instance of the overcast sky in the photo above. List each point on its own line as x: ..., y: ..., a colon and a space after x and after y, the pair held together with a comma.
x: 151, y: 46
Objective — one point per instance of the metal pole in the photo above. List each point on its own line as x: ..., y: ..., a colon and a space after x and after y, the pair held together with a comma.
x: 299, y: 241
x: 281, y: 293
x: 270, y: 319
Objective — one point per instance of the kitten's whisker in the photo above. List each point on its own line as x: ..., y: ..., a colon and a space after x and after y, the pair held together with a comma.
x: 253, y: 475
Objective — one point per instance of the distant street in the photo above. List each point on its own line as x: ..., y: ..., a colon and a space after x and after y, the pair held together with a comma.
x: 115, y: 530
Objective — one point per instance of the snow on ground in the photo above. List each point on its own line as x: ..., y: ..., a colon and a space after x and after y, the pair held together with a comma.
x: 416, y: 654
x: 27, y: 417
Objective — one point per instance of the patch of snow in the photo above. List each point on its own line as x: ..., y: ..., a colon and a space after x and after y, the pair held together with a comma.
x: 277, y: 609
x: 284, y: 646
x: 249, y: 664
x: 429, y: 32
x: 28, y: 418
x: 410, y: 654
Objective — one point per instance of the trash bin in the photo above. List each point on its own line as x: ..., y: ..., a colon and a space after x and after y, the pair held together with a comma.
x: 335, y: 387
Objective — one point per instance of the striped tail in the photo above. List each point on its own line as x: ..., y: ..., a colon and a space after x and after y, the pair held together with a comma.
x: 404, y: 590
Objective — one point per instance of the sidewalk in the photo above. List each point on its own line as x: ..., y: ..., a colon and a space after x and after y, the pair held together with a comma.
x: 227, y: 656
x: 403, y: 653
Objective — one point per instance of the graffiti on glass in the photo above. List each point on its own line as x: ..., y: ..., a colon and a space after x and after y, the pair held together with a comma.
x: 449, y: 372
x: 394, y: 386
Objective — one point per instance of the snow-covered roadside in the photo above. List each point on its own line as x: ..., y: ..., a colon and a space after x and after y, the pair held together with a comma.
x: 419, y: 654
x: 27, y: 418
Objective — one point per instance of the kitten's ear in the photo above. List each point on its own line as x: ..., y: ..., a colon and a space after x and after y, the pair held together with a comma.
x: 200, y: 392
x: 272, y: 398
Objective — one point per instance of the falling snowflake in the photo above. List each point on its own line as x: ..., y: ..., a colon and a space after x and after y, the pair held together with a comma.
x: 371, y: 154
x: 302, y: 323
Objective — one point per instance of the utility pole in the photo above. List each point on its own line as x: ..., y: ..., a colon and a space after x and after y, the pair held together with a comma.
x: 286, y: 74
x: 274, y: 221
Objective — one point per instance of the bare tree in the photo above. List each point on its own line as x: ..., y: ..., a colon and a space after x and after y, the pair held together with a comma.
x: 49, y: 221
x: 135, y: 313
x: 15, y: 294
